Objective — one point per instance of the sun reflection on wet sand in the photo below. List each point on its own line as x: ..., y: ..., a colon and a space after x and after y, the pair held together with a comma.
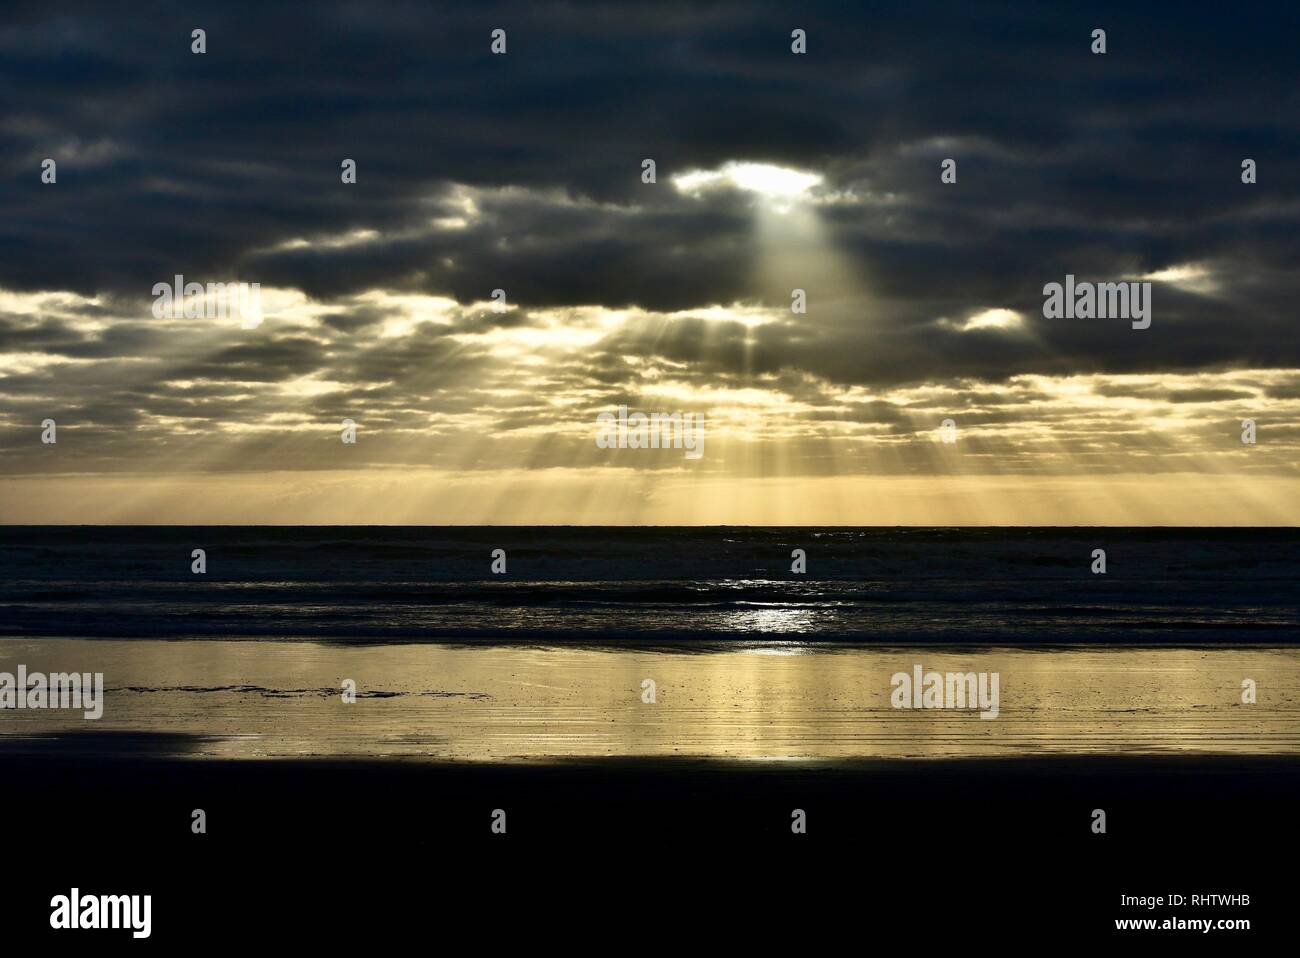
x: 772, y: 702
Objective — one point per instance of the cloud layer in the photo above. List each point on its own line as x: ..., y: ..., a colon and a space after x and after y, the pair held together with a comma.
x: 522, y: 172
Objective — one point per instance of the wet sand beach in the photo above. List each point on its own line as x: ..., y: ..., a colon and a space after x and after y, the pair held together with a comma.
x: 782, y: 702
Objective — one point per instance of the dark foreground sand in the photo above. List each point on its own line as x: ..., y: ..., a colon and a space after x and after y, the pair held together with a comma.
x: 1002, y: 848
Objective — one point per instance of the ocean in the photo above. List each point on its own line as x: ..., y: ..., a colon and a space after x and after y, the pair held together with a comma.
x: 689, y: 587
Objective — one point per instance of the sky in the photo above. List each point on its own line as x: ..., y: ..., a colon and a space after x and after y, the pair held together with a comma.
x: 523, y: 172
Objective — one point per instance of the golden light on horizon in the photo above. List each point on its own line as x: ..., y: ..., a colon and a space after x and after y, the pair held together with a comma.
x: 490, y: 436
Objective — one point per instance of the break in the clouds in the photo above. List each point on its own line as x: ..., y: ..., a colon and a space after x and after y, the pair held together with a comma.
x: 523, y: 172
